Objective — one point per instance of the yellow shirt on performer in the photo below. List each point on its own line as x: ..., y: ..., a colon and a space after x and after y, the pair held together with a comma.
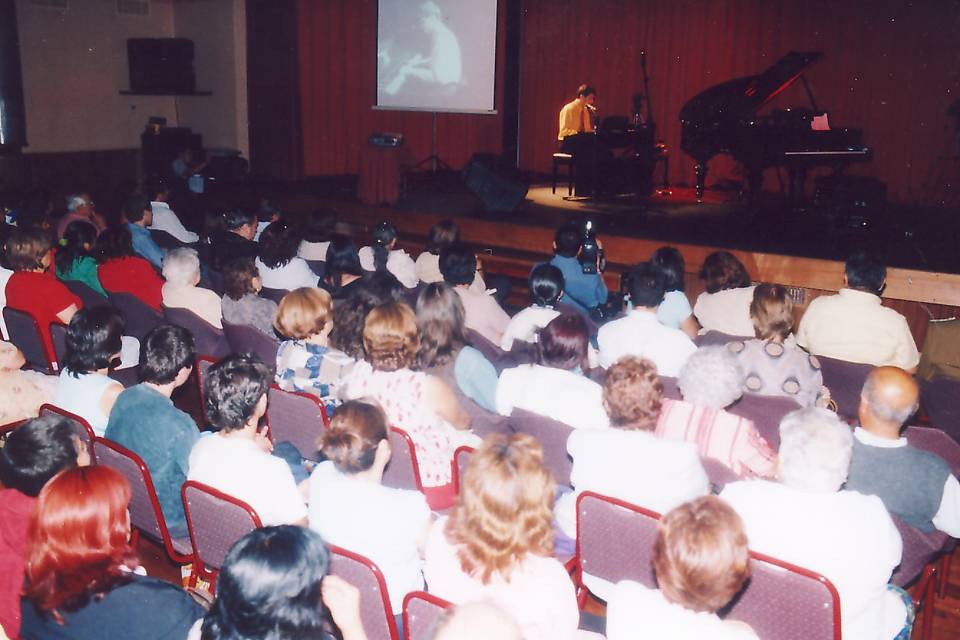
x: 574, y: 119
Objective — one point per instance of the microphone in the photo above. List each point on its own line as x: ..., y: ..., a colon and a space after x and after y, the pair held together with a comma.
x: 591, y: 107
x: 643, y: 58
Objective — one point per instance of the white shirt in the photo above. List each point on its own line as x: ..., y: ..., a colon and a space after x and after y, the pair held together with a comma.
x: 565, y: 396
x: 355, y: 514
x: 239, y: 467
x: 634, y: 611
x: 164, y: 219
x: 399, y: 264
x: 313, y: 250
x: 525, y: 324
x: 293, y: 275
x: 4, y: 278
x: 846, y: 536
x: 726, y: 311
x: 947, y: 518
x: 203, y: 302
x: 641, y: 334
x: 428, y: 270
x: 261, y: 225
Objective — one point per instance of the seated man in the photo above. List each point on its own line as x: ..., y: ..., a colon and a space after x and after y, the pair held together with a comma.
x: 165, y: 218
x: 181, y: 270
x: 235, y: 239
x: 236, y: 459
x: 854, y: 326
x: 916, y: 486
x: 640, y: 333
x: 807, y: 520
x: 584, y: 291
x: 35, y: 452
x: 80, y: 207
x: 482, y: 313
x: 139, y: 216
x: 145, y: 421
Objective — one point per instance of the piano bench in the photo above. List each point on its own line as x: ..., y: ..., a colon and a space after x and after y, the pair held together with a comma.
x: 563, y: 160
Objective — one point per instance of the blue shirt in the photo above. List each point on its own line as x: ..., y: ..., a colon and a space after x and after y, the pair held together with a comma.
x: 146, y: 422
x: 476, y: 377
x: 144, y: 245
x: 674, y: 309
x: 585, y: 291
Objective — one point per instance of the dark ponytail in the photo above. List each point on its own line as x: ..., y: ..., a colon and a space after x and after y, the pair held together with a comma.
x: 383, y: 234
x: 71, y: 247
x: 354, y: 434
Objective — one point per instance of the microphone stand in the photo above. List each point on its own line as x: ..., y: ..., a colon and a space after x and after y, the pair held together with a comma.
x: 665, y: 188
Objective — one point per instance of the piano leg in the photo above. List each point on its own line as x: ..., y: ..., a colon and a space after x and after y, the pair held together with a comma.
x: 701, y: 171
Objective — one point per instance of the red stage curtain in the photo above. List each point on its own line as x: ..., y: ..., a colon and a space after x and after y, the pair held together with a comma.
x: 337, y: 42
x: 890, y: 67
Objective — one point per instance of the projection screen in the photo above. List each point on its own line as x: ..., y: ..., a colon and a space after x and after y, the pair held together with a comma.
x: 436, y: 55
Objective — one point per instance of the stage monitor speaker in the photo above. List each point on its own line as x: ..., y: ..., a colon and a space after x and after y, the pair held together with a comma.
x: 498, y: 188
x: 161, y: 65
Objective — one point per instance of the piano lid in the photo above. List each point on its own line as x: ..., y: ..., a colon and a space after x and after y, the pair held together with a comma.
x: 738, y: 98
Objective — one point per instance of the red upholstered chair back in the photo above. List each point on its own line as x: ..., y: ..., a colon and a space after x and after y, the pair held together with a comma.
x: 718, y: 473
x: 461, y: 458
x: 375, y: 611
x: 58, y: 335
x: 80, y: 426
x: 766, y: 413
x: 919, y: 550
x: 24, y: 332
x: 939, y: 399
x: 670, y: 388
x: 273, y: 294
x: 202, y: 366
x: 402, y: 471
x: 246, y: 339
x: 421, y: 612
x: 552, y: 435
x: 140, y: 317
x: 937, y: 442
x: 207, y: 339
x: 297, y: 418
x: 845, y: 381
x: 88, y: 296
x: 499, y: 358
x: 717, y: 339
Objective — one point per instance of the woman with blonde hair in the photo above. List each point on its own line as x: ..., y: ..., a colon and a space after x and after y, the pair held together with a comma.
x: 497, y: 543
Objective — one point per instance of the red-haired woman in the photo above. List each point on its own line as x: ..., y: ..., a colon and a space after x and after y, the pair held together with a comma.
x: 81, y: 579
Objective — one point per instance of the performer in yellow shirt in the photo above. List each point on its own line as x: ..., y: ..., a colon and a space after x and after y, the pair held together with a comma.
x: 575, y: 137
x: 575, y: 115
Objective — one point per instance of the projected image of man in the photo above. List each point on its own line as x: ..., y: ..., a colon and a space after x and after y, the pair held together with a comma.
x: 575, y: 135
x: 443, y: 65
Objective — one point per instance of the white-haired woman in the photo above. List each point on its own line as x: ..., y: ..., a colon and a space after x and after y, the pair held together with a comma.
x: 181, y: 270
x: 710, y: 381
x: 806, y: 519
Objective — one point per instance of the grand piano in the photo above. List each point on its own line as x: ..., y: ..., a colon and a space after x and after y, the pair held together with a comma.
x: 723, y: 119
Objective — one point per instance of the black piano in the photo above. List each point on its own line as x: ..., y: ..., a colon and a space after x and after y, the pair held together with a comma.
x: 723, y: 119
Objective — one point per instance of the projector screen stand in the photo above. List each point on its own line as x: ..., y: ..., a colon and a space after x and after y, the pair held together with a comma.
x: 435, y: 161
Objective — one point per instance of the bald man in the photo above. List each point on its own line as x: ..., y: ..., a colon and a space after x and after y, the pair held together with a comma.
x: 914, y: 485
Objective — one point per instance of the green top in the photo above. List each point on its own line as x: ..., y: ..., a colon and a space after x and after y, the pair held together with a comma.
x: 84, y: 270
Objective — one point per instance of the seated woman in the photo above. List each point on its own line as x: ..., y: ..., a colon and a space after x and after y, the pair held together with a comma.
x: 675, y: 310
x: 710, y: 381
x: 497, y: 543
x: 344, y: 273
x: 83, y: 579
x: 277, y: 262
x: 772, y: 366
x: 556, y: 387
x: 230, y: 236
x: 240, y: 303
x: 701, y: 562
x: 21, y: 392
x: 350, y: 507
x: 93, y: 342
x: 348, y: 318
x: 305, y: 360
x: 319, y: 228
x: 274, y: 584
x: 422, y: 405
x: 443, y: 348
x: 123, y: 271
x: 546, y: 289
x: 73, y: 257
x: 725, y: 305
x: 442, y: 234
x: 808, y: 520
x: 181, y: 270
x: 383, y: 255
x: 483, y: 313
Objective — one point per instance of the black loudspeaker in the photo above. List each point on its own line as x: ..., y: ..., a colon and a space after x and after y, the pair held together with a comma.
x: 161, y: 65
x: 496, y: 186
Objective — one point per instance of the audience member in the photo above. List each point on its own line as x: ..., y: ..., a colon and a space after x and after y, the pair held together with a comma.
x: 701, y: 561
x: 22, y: 392
x: 139, y: 216
x: 807, y: 520
x: 350, y: 507
x: 319, y: 227
x: 121, y: 271
x: 234, y: 238
x: 80, y: 208
x: 383, y: 255
x: 278, y: 264
x: 73, y: 258
x: 444, y: 351
x: 33, y: 453
x: 93, y: 342
x: 442, y: 234
x: 274, y: 584
x: 83, y: 579
x: 240, y: 303
x: 181, y: 270
x: 916, y: 486
x: 709, y: 382
x: 640, y: 333
x: 854, y: 326
x: 497, y: 543
x: 585, y: 291
x: 236, y: 459
x: 164, y: 218
x: 145, y: 420
x: 476, y: 621
x: 348, y: 318
x: 675, y: 309
x: 546, y: 289
x: 725, y: 305
x: 267, y: 214
x: 344, y: 273
x: 771, y: 364
x: 483, y: 314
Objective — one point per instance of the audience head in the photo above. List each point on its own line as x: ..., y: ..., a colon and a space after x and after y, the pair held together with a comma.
x: 390, y: 337
x: 890, y: 396
x: 815, y: 450
x: 320, y: 225
x: 357, y: 438
x: 476, y: 621
x: 633, y: 394
x: 93, y: 339
x: 458, y: 264
x: 711, y: 377
x: 137, y: 210
x: 442, y: 234
x: 240, y: 277
x: 269, y: 587
x: 157, y: 189
x: 167, y: 355
x: 772, y: 312
x: 243, y: 223
x: 865, y: 273
x: 78, y: 541
x: 235, y: 392
x: 79, y: 203
x: 385, y: 286
x: 546, y: 285
x: 342, y: 258
x: 721, y: 270
x: 28, y: 250
x: 505, y: 507
x: 304, y: 313
x: 564, y: 342
x: 700, y: 555
x: 646, y: 286
x: 278, y: 244
x: 37, y: 450
x: 77, y: 242
x: 568, y: 240
x: 670, y: 261
x: 114, y: 242
x: 384, y: 239
x: 348, y: 318
x: 440, y: 318
x: 181, y: 267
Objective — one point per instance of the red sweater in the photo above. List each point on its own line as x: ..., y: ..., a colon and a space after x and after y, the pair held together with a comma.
x: 43, y: 296
x: 135, y: 276
x: 15, y: 510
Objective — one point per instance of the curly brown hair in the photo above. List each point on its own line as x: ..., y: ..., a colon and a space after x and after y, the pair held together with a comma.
x: 633, y: 394
x: 390, y: 337
x: 771, y: 311
x: 721, y: 270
